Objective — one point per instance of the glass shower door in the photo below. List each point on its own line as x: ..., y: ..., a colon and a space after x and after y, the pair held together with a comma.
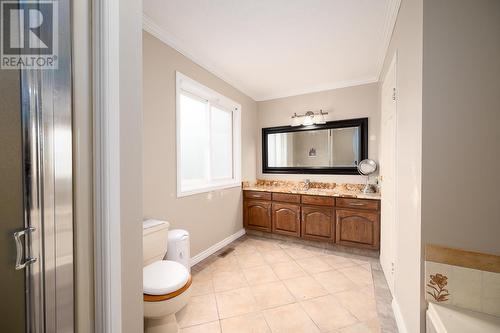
x: 36, y: 228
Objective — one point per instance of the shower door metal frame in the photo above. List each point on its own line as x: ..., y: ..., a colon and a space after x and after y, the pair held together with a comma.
x: 48, y: 188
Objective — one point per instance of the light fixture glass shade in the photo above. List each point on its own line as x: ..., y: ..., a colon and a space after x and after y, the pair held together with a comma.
x: 296, y: 121
x: 319, y: 118
x: 308, y: 120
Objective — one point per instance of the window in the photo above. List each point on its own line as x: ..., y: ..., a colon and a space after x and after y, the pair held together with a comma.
x: 208, y: 139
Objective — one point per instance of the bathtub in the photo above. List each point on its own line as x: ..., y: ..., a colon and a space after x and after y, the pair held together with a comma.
x: 448, y: 319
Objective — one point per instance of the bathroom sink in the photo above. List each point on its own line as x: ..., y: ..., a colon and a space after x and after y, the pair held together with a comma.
x: 299, y: 189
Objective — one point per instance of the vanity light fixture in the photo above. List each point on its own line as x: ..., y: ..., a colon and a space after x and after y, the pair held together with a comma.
x: 309, y: 118
x: 296, y: 120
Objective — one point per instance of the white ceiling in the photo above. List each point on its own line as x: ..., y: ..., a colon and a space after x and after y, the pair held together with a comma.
x: 276, y: 48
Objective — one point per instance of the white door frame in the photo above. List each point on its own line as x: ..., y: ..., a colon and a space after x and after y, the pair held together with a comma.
x: 106, y: 147
x: 393, y: 66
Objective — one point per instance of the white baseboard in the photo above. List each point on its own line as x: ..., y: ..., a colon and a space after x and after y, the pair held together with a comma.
x: 216, y: 247
x: 399, y: 317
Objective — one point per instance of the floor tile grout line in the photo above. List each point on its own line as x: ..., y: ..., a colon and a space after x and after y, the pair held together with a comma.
x: 217, y: 308
x: 326, y: 250
x: 253, y: 297
x: 308, y: 316
x: 320, y: 253
x: 200, y: 324
x: 296, y: 301
x: 241, y: 315
x: 267, y: 324
x: 262, y: 310
x: 343, y: 307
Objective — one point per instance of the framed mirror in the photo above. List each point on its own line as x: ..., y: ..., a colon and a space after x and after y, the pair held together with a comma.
x: 335, y: 147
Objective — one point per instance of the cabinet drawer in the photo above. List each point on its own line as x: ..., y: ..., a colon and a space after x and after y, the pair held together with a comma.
x: 318, y: 200
x: 257, y: 195
x: 358, y: 203
x: 285, y: 197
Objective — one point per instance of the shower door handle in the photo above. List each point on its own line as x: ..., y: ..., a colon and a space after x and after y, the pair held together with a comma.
x: 20, y: 264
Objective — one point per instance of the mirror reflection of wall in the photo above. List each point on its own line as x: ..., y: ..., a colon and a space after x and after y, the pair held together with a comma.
x: 336, y: 147
x: 345, y: 146
x: 311, y: 140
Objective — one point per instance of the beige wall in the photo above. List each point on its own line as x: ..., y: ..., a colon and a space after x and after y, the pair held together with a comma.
x: 461, y: 125
x: 346, y: 103
x: 342, y: 146
x: 82, y: 169
x: 209, y: 217
x: 304, y: 141
x: 407, y: 42
x: 131, y: 137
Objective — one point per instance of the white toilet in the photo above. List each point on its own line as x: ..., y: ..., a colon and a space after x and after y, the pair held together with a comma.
x: 166, y: 283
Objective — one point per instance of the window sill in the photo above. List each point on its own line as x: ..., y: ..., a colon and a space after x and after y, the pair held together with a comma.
x: 207, y: 189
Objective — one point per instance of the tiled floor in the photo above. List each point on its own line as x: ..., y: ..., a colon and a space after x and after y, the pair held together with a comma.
x: 268, y: 285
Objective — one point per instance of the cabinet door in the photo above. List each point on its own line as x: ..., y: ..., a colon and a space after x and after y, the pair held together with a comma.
x: 358, y: 228
x: 257, y: 215
x: 286, y: 219
x: 317, y: 223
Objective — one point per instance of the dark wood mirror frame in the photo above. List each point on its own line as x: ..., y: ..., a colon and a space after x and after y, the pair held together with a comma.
x: 361, y: 122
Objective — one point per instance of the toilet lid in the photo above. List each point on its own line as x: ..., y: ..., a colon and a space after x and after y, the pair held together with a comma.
x: 164, y: 277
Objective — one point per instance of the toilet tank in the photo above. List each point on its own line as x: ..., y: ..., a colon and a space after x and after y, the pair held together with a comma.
x: 154, y: 240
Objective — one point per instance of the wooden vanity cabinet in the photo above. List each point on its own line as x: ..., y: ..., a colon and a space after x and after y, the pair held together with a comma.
x: 344, y: 221
x: 318, y: 223
x: 360, y: 228
x: 352, y: 203
x: 257, y: 195
x: 318, y: 200
x: 286, y: 219
x: 257, y: 214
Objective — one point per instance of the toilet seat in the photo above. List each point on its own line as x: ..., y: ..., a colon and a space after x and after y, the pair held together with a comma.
x: 164, y: 279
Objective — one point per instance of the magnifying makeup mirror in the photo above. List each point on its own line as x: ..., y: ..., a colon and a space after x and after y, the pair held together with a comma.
x: 366, y: 168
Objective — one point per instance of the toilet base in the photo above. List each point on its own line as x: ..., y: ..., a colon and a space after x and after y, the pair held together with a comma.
x: 167, y: 324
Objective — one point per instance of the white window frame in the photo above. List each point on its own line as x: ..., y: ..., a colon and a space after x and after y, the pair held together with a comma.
x: 191, y: 87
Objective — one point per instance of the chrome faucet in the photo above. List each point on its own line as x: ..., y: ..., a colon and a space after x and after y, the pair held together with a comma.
x: 307, y: 183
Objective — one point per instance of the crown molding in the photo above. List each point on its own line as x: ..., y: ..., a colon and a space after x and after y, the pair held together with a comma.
x: 317, y: 89
x: 389, y: 24
x: 155, y: 30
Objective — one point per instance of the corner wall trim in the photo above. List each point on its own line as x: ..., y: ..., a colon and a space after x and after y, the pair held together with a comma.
x: 167, y: 38
x: 106, y: 168
x: 151, y: 27
x: 399, y: 317
x: 216, y: 247
x: 390, y: 24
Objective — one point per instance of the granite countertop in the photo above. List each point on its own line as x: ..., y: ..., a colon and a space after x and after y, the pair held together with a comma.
x: 322, y: 189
